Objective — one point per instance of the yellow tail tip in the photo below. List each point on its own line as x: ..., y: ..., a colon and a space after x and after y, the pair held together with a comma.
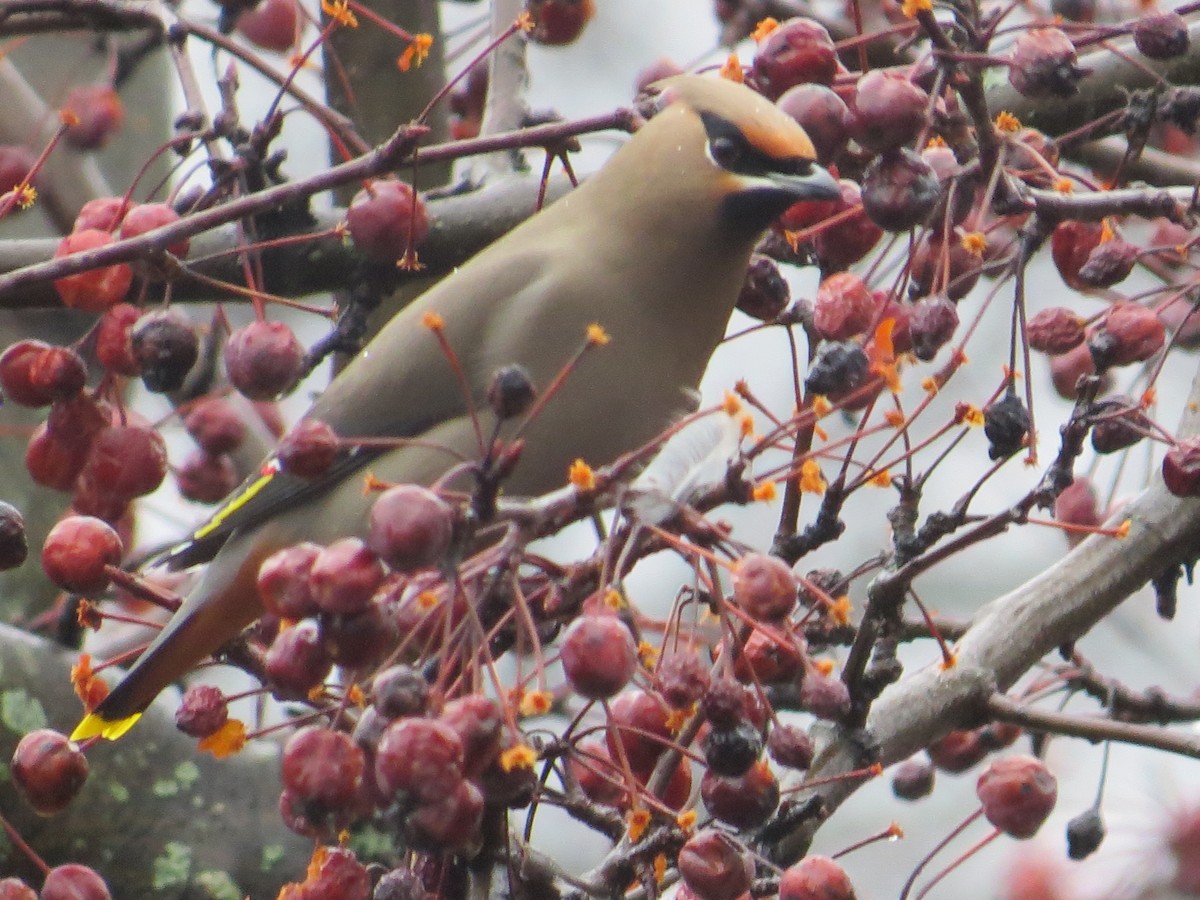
x: 94, y: 725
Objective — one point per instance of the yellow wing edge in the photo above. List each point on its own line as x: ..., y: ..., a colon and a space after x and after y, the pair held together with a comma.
x: 94, y: 725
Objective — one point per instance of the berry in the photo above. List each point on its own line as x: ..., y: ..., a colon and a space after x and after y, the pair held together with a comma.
x: 36, y: 374
x: 815, y: 878
x: 822, y: 114
x: 900, y: 190
x: 283, y: 583
x: 1017, y: 793
x: 682, y: 678
x: 732, y: 751
x: 1161, y: 35
x: 715, y: 866
x: 165, y: 347
x: 478, y: 721
x: 99, y: 112
x: 323, y: 770
x: 1054, y: 330
x: 799, y: 51
x: 1077, y: 505
x: 339, y: 876
x: 889, y: 111
x: 932, y: 325
x: 824, y: 696
x: 125, y: 461
x: 638, y: 719
x: 360, y: 641
x: 1109, y: 263
x: 297, y: 661
x: 511, y: 392
x: 1044, y: 64
x: 202, y: 711
x: 400, y: 691
x: 76, y: 551
x: 1129, y: 333
x: 724, y: 703
x: 419, y: 757
x: 54, y: 460
x: 308, y: 450
x: 16, y: 889
x: 764, y: 587
x: 765, y: 293
x: 769, y: 657
x: 48, y: 770
x: 74, y: 882
x: 102, y: 213
x: 844, y: 307
x: 14, y: 547
x: 93, y: 290
x: 598, y: 655
x: 344, y: 577
x: 1118, y: 423
x: 148, y: 216
x: 838, y: 371
x: 842, y: 245
x: 272, y: 24
x: 1181, y: 468
x: 1006, y: 425
x: 957, y: 751
x: 264, y: 360
x: 746, y: 801
x: 790, y: 746
x: 1085, y: 834
x: 942, y: 265
x: 15, y: 164
x: 386, y: 220
x: 913, y: 779
x: 1071, y: 243
x: 114, y: 345
x: 1067, y: 368
x: 558, y: 22
x: 450, y: 820
x: 598, y: 776
x: 411, y: 528
x: 214, y: 423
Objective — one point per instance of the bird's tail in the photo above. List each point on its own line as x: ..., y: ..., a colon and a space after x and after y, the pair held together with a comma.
x: 221, y: 605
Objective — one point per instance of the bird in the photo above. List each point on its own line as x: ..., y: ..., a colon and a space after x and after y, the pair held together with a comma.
x: 653, y: 248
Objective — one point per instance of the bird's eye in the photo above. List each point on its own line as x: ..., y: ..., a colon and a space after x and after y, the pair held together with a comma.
x: 726, y: 152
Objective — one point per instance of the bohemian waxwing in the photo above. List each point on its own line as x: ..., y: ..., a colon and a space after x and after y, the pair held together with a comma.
x: 653, y: 248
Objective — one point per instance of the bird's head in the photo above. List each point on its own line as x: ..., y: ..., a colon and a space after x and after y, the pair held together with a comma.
x: 737, y: 146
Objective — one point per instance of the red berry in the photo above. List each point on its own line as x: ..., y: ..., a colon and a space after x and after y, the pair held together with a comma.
x: 148, y: 216
x: 746, y: 801
x: 360, y: 641
x: 202, y: 711
x: 125, y: 461
x: 308, y: 450
x: 99, y: 112
x: 35, y: 374
x: 204, y: 478
x: 93, y: 290
x: 340, y: 876
x: 478, y: 721
x: 1119, y: 423
x: 420, y: 757
x: 598, y: 655
x: 763, y: 585
x: 638, y: 720
x: 344, y: 577
x: 215, y: 425
x: 825, y: 696
x: 1078, y: 505
x: 1181, y: 468
x: 76, y: 551
x: 450, y: 820
x: 1161, y: 35
x: 790, y: 746
x: 913, y: 779
x: 1067, y: 368
x: 932, y: 325
x: 558, y: 22
x: 165, y: 347
x: 900, y: 190
x: 822, y: 114
x: 799, y: 51
x: 264, y: 359
x: 1129, y: 333
x: 297, y: 661
x: 942, y: 265
x: 957, y: 751
x: 1017, y: 793
x: 1055, y: 330
x: 323, y: 769
x: 283, y: 583
x: 54, y: 460
x: 102, y: 213
x: 715, y: 866
x: 1109, y: 263
x: 114, y: 343
x: 272, y: 24
x: 598, y: 776
x: 74, y: 882
x: 15, y: 164
x: 48, y: 770
x: 16, y: 889
x: 682, y: 678
x: 842, y: 245
x: 1044, y: 64
x: 889, y: 111
x: 410, y: 528
x: 844, y: 307
x: 1070, y: 246
x: 815, y: 878
x: 386, y: 220
x: 769, y: 657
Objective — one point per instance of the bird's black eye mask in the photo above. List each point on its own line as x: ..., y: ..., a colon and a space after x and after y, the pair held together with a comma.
x: 730, y: 150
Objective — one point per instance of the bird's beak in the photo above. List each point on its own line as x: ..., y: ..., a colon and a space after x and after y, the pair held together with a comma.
x: 818, y: 184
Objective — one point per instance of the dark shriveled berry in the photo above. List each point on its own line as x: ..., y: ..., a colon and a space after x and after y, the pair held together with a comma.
x: 732, y: 751
x: 838, y: 370
x: 1161, y: 35
x: 1108, y: 264
x: 1006, y: 425
x: 790, y: 746
x: 1044, y: 64
x: 682, y: 678
x: 202, y: 711
x: 900, y: 190
x: 765, y: 293
x: 1085, y: 834
x: 511, y: 392
x: 14, y: 547
x: 825, y: 696
x: 931, y: 325
x: 1119, y: 423
x: 1054, y: 330
x: 165, y: 347
x: 400, y: 691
